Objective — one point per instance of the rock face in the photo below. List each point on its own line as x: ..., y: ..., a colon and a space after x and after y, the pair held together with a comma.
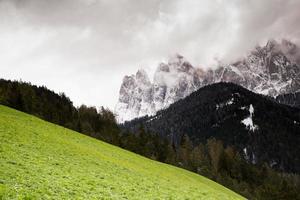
x: 272, y: 70
x: 172, y: 81
x: 269, y: 70
x: 136, y: 97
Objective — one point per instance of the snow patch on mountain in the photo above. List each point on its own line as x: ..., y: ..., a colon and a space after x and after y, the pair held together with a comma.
x: 227, y: 103
x: 248, y: 122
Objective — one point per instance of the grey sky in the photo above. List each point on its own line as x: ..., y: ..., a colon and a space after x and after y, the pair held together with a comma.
x: 85, y: 47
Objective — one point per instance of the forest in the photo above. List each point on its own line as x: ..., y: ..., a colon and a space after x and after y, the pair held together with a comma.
x: 210, y: 157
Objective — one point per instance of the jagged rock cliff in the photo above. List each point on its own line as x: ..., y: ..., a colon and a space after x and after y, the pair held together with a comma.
x: 172, y: 81
x: 271, y: 70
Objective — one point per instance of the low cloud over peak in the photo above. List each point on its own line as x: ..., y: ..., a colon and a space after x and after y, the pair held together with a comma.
x: 93, y: 43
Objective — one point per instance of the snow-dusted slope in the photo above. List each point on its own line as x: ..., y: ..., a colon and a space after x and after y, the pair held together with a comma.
x: 271, y: 70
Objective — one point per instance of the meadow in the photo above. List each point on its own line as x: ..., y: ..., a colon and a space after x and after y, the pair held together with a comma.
x: 41, y: 160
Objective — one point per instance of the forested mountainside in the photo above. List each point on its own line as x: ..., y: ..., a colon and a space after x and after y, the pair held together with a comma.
x: 271, y: 69
x: 59, y: 109
x: 261, y: 129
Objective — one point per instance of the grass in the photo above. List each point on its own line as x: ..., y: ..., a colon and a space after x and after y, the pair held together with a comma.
x: 40, y: 160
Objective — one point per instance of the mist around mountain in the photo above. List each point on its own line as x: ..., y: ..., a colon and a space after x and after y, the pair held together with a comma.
x: 273, y: 69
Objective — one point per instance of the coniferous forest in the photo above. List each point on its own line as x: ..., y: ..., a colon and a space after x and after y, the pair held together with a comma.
x: 210, y: 157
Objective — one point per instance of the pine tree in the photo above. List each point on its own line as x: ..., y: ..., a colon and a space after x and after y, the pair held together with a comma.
x: 184, y: 151
x: 215, y: 150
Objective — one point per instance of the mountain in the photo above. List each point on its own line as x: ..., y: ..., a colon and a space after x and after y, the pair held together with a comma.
x: 41, y: 160
x: 172, y: 81
x: 273, y: 69
x: 261, y: 129
x: 136, y: 97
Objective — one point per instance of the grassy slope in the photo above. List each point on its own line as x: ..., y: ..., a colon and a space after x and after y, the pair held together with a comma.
x: 42, y: 160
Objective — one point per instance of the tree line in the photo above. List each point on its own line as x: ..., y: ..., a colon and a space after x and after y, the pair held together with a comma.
x: 218, y: 162
x: 225, y: 165
x: 210, y: 158
x: 59, y: 109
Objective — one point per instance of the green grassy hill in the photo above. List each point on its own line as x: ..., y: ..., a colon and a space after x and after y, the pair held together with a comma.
x: 40, y: 160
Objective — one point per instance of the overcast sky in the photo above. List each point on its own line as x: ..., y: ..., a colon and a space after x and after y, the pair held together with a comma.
x: 85, y: 47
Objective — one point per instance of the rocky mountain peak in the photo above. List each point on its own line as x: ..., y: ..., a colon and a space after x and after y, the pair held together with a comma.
x: 271, y: 44
x: 176, y: 59
x: 141, y: 74
x: 162, y: 67
x: 271, y: 70
x: 142, y: 77
x: 172, y: 81
x: 288, y: 45
x: 178, y: 63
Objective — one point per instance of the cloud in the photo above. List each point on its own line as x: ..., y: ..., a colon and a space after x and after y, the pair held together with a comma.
x: 85, y: 47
